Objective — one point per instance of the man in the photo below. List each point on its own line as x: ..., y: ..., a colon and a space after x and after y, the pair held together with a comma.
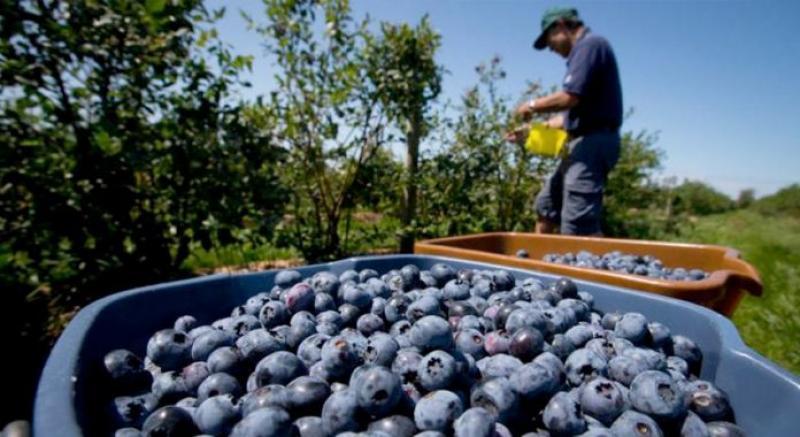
x: 590, y: 110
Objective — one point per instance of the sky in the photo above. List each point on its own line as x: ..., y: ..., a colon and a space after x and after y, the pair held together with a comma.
x: 719, y: 81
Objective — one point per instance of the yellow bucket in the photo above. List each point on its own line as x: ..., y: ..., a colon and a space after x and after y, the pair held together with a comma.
x: 545, y: 141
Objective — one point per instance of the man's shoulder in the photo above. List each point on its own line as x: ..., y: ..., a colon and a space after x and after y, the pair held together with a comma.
x: 595, y: 41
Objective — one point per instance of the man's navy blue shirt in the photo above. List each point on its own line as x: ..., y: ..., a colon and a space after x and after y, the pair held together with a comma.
x: 593, y: 76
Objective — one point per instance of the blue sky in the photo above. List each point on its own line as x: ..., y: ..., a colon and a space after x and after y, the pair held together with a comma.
x: 718, y: 80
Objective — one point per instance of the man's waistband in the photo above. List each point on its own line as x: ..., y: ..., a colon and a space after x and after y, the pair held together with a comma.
x: 599, y: 130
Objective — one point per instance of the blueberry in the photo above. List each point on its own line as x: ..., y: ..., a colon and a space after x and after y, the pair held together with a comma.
x: 264, y: 422
x: 218, y: 384
x: 185, y: 324
x: 253, y: 304
x: 405, y: 366
x: 660, y: 337
x: 410, y: 275
x: 200, y: 330
x: 324, y: 282
x: 436, y: 371
x: 677, y: 366
x: 471, y: 322
x: 349, y: 314
x: 524, y: 318
x: 378, y: 288
x: 338, y: 353
x: 685, y: 348
x: 377, y: 391
x: 498, y: 365
x: 693, y: 426
x: 653, y: 360
x: 534, y: 381
x: 602, y: 399
x: 280, y: 333
x: 340, y: 412
x: 437, y: 410
x: 475, y: 422
x: 633, y: 327
x: 273, y: 395
x: 299, y: 298
x: 608, y: 347
x: 583, y: 365
x: 708, y: 401
x: 300, y: 329
x: 287, y: 278
x: 424, y: 306
x: 566, y: 288
x: 279, y: 368
x: 634, y: 424
x: 381, y: 349
x: 561, y: 319
x: 497, y: 342
x: 561, y: 346
x: 356, y: 296
x: 308, y: 426
x: 522, y: 253
x: 470, y: 341
x: 122, y: 432
x: 273, y: 313
x: 503, y: 280
x: 396, y: 425
x: 496, y: 396
x: 133, y: 410
x: 563, y: 415
x: 725, y: 429
x: 209, y: 341
x: 126, y: 371
x: 610, y: 320
x: 625, y: 368
x: 656, y: 394
x: 431, y: 332
x: 368, y: 324
x: 307, y: 394
x: 503, y: 312
x: 217, y: 415
x: 169, y: 421
x: 226, y: 359
x: 194, y: 374
x: 456, y: 289
x: 581, y: 333
x: 443, y: 273
x: 169, y: 387
x: 310, y: 349
x: 257, y: 344
x: 324, y: 302
x: 169, y: 349
x: 482, y: 287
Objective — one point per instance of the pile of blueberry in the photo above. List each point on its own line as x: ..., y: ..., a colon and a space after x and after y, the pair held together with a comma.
x: 619, y: 262
x: 429, y: 353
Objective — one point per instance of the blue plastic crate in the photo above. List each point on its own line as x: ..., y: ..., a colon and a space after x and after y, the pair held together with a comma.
x: 71, y: 400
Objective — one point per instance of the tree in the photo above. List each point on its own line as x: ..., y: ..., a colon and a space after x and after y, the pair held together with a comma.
x: 121, y: 150
x: 330, y: 118
x: 407, y: 78
x: 698, y: 198
x: 746, y: 198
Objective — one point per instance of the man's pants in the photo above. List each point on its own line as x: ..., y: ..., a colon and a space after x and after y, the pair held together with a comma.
x: 573, y: 195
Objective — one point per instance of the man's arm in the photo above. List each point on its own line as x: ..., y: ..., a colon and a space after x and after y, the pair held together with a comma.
x: 558, y: 101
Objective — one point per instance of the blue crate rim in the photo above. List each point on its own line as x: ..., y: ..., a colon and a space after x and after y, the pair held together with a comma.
x: 60, y: 379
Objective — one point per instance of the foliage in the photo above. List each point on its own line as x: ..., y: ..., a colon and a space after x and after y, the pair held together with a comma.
x: 330, y: 119
x: 407, y: 79
x: 770, y: 324
x: 121, y: 153
x: 784, y: 203
x: 746, y: 198
x: 697, y: 198
x: 478, y: 181
x: 633, y: 199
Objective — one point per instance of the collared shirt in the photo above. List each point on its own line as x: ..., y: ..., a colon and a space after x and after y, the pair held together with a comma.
x: 593, y: 76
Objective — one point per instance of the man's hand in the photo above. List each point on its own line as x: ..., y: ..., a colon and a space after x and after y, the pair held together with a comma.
x: 517, y: 135
x: 555, y: 122
x: 525, y: 110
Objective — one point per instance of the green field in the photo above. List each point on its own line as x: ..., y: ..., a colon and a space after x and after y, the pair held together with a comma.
x: 769, y: 324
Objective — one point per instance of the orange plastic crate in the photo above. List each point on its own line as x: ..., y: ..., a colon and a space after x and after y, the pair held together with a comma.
x: 730, y: 276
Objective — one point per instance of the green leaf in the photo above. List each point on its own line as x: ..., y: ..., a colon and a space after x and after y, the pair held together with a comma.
x: 154, y: 6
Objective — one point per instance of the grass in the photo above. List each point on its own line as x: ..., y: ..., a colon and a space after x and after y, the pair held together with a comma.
x: 236, y: 255
x: 769, y: 324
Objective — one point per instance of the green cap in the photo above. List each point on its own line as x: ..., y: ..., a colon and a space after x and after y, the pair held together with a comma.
x: 551, y: 16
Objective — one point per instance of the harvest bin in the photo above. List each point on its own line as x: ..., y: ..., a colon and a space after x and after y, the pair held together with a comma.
x: 70, y: 399
x: 730, y: 277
